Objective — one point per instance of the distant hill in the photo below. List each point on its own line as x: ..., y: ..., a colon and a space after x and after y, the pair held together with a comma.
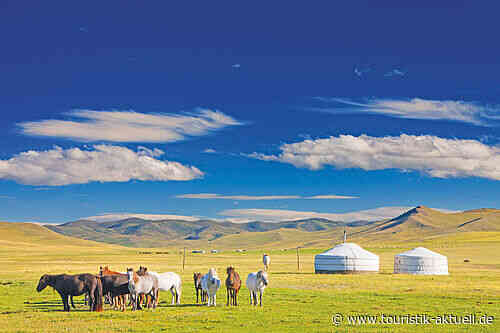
x: 417, y: 223
x: 423, y: 221
x: 31, y: 236
x: 148, y: 233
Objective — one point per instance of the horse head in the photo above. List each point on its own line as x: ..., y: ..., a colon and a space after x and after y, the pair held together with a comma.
x: 132, y: 276
x: 142, y: 270
x: 43, y: 283
x: 262, y: 276
x: 197, y: 279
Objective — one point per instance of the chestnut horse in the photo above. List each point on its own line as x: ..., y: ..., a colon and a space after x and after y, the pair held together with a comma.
x: 74, y: 285
x: 115, y: 285
x: 233, y: 285
x: 198, y: 288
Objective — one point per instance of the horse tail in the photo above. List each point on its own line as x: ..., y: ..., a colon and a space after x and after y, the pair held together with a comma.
x: 98, y: 295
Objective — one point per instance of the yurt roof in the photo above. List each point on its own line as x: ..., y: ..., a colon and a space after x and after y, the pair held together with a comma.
x: 350, y: 250
x: 421, y: 252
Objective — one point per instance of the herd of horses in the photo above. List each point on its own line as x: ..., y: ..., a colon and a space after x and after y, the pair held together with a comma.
x: 141, y: 288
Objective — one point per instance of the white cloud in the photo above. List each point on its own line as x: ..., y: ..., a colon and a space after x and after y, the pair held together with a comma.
x: 257, y: 197
x: 417, y: 108
x: 331, y: 196
x: 209, y: 151
x: 102, y: 163
x: 236, y: 65
x: 278, y: 215
x: 437, y: 157
x: 130, y: 126
x: 153, y: 217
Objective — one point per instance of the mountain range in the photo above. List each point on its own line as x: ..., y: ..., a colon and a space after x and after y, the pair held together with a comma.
x: 413, y: 224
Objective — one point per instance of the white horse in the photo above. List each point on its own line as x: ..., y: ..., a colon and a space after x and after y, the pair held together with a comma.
x: 210, y: 283
x: 257, y: 282
x: 266, y: 260
x: 169, y: 281
x: 146, y: 284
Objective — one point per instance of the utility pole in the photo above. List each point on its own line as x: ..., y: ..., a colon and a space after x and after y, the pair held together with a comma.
x: 184, y: 259
x: 298, y: 259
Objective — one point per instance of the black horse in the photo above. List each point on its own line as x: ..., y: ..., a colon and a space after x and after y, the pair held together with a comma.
x: 74, y: 285
x: 115, y: 285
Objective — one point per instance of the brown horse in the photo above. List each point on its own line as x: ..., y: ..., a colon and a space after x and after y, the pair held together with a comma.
x: 74, y: 285
x: 233, y: 285
x: 198, y: 288
x: 115, y: 285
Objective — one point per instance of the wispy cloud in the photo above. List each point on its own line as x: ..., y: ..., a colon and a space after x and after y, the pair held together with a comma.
x: 209, y: 151
x: 130, y: 126
x: 258, y: 197
x: 331, y: 196
x: 101, y: 163
x: 278, y: 215
x: 361, y: 70
x: 6, y: 197
x: 154, y: 217
x: 416, y: 108
x: 395, y: 72
x: 434, y: 156
x: 236, y: 65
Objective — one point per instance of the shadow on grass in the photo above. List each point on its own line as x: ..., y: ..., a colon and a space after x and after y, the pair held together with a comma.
x: 186, y: 305
x: 291, y: 273
x: 53, y: 306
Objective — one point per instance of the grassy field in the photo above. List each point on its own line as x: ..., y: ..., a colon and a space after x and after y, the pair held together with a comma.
x: 295, y: 301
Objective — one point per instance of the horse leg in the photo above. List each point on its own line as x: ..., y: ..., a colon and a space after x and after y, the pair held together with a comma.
x: 157, y: 297
x: 172, y: 291
x: 228, y: 295
x: 138, y: 301
x: 236, y: 297
x: 260, y: 295
x: 92, y: 300
x: 64, y: 299
x: 72, y: 304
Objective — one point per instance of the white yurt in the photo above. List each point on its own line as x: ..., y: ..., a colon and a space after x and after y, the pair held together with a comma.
x: 420, y: 261
x: 346, y: 258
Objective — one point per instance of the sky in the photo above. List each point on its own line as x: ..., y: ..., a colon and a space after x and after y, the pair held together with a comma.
x: 268, y: 111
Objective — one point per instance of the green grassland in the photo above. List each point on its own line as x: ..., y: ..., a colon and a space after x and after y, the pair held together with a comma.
x: 295, y: 301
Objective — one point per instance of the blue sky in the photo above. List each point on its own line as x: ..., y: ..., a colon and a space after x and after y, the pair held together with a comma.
x: 126, y: 106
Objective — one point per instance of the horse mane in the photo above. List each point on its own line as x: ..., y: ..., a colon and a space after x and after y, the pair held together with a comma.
x: 135, y: 276
x: 212, y: 272
x: 107, y: 271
